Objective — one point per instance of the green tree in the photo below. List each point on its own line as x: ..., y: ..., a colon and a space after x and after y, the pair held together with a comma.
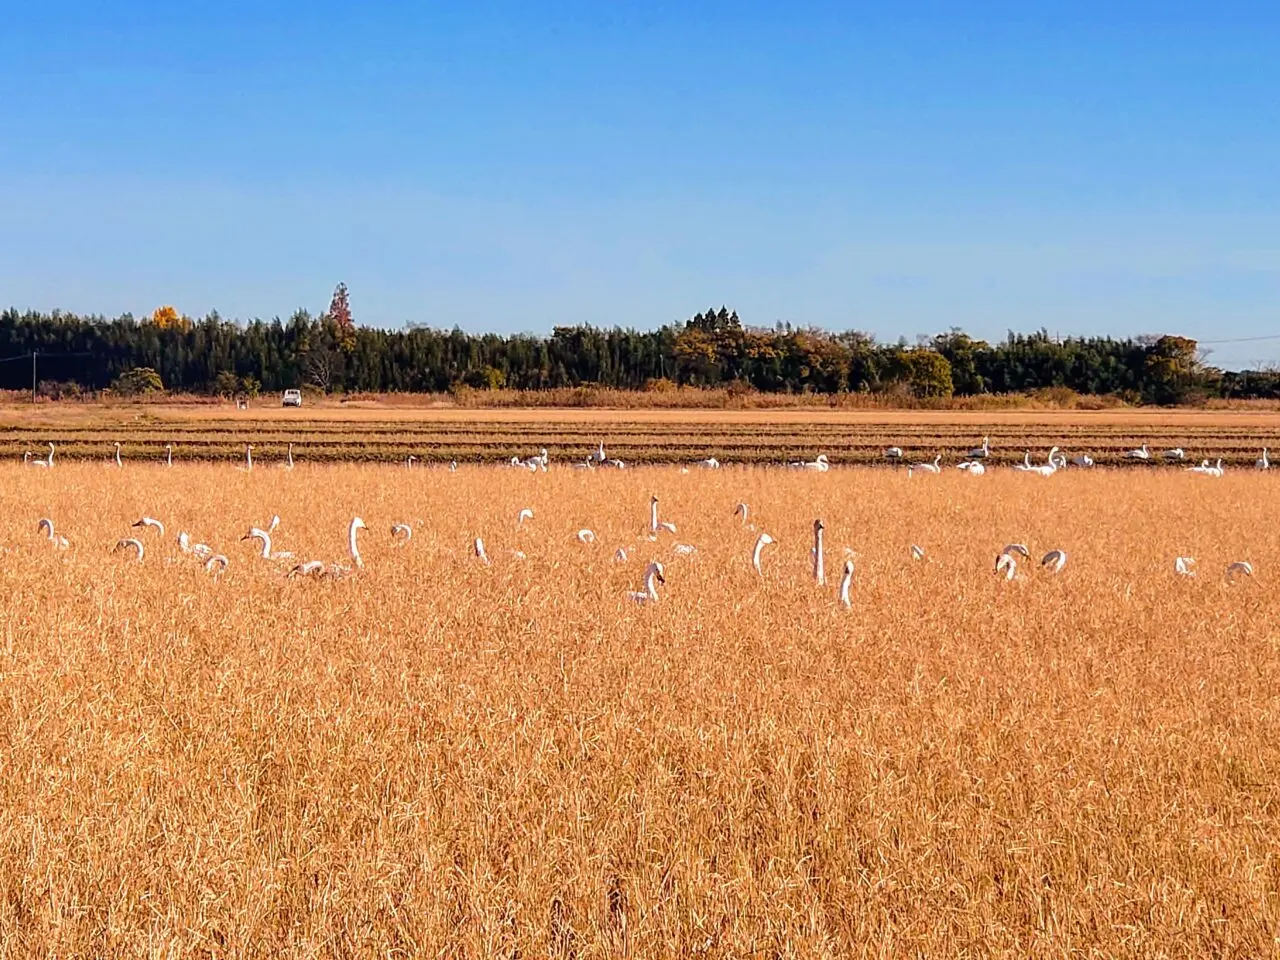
x: 136, y: 381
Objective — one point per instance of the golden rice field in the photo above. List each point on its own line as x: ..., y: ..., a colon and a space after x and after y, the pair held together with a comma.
x: 434, y: 757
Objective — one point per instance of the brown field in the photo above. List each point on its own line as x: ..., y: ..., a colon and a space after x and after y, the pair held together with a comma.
x: 435, y: 757
x: 386, y: 433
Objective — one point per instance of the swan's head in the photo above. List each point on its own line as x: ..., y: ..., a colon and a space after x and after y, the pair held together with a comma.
x: 656, y: 571
x: 765, y: 538
x: 45, y: 524
x: 357, y: 524
x: 817, y: 526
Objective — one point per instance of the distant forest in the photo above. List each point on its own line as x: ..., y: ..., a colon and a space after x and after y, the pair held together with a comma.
x: 330, y: 353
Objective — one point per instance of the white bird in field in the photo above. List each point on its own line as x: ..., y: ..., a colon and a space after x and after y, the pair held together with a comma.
x: 126, y: 542
x: 47, y: 461
x: 1182, y: 566
x: 1140, y: 454
x: 1176, y: 453
x: 216, y: 562
x: 256, y: 533
x: 893, y: 453
x: 935, y: 467
x: 119, y: 462
x: 453, y: 466
x: 819, y: 569
x: 973, y: 468
x: 653, y: 575
x: 917, y: 552
x: 1049, y: 469
x: 684, y: 549
x: 150, y: 523
x: 817, y: 465
x: 46, y: 525
x: 599, y: 455
x: 846, y: 580
x: 982, y: 452
x: 587, y: 464
x: 311, y: 568
x: 402, y: 530
x: 1217, y: 471
x: 620, y: 555
x: 1239, y: 568
x: 761, y: 542
x: 275, y: 522
x: 1263, y: 464
x: 586, y: 536
x: 248, y: 457
x: 168, y: 454
x: 654, y: 524
x: 478, y: 549
x: 523, y: 515
x: 352, y: 547
x: 1205, y: 470
x: 1059, y: 460
x: 1054, y: 560
x: 409, y: 461
x: 711, y: 463
x: 1082, y: 461
x: 1012, y: 548
x: 615, y: 463
x: 201, y: 550
x: 1025, y: 466
x: 1005, y: 564
x: 288, y: 458
x: 318, y: 568
x: 742, y: 510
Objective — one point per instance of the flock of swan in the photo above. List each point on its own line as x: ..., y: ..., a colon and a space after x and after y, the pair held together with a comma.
x: 152, y: 530
x: 973, y: 464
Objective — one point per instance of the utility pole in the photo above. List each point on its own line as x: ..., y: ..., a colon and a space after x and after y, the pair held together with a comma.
x: 34, y: 351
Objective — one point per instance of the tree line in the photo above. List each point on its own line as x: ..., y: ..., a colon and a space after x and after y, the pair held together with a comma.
x: 713, y: 348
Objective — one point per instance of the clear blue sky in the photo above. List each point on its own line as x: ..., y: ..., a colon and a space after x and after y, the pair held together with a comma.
x: 1092, y: 168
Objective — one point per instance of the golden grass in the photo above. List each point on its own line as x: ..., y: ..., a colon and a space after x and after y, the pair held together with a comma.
x: 438, y: 758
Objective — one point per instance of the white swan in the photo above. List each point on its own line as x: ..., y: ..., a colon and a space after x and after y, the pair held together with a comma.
x: 818, y: 464
x: 599, y: 455
x: 616, y: 464
x: 711, y: 463
x: 761, y: 542
x: 150, y: 523
x: 402, y: 530
x: 1238, y: 568
x: 1054, y: 560
x: 1263, y: 464
x: 653, y: 575
x: 742, y: 510
x: 523, y: 515
x: 256, y: 533
x: 47, y: 525
x: 917, y: 552
x: 1011, y: 548
x: 684, y: 549
x: 352, y: 547
x: 973, y: 468
x: 1049, y: 469
x: 1140, y: 454
x: 288, y: 458
x: 409, y: 461
x: 935, y: 467
x: 846, y: 580
x: 308, y: 569
x: 248, y: 457
x: 586, y: 536
x: 119, y: 462
x: 201, y: 550
x: 1082, y: 461
x: 1218, y: 470
x: 126, y: 542
x: 819, y: 570
x: 1182, y: 566
x: 893, y: 453
x: 620, y: 555
x: 46, y: 462
x: 219, y: 561
x: 982, y: 452
x: 453, y: 466
x: 1176, y: 453
x: 478, y: 549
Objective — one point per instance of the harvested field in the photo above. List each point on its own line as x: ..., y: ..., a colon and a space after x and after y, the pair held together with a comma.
x: 389, y: 434
x: 432, y: 756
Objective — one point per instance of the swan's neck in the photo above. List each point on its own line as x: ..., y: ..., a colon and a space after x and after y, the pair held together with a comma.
x: 845, y: 581
x: 355, y: 550
x: 266, y: 544
x: 653, y: 515
x: 819, y: 572
x: 651, y: 584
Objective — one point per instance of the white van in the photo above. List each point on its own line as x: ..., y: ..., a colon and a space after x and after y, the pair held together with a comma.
x: 291, y: 398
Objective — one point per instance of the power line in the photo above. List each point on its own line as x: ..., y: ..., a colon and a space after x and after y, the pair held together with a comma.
x: 1272, y: 336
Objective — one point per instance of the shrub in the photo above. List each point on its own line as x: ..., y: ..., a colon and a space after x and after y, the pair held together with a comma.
x: 137, y: 381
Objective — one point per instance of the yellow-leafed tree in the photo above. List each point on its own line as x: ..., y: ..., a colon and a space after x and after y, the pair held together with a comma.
x: 166, y: 317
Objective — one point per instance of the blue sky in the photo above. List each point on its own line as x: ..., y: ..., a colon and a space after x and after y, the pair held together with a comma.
x: 1092, y: 168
